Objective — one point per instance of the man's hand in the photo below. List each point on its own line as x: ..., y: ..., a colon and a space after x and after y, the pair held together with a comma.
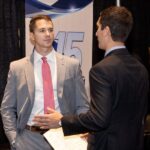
x: 49, y: 120
x: 85, y: 136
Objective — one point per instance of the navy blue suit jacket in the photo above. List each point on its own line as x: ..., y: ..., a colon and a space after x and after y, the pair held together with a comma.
x: 119, y: 89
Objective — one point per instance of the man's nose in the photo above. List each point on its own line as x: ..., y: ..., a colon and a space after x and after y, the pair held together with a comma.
x: 47, y: 32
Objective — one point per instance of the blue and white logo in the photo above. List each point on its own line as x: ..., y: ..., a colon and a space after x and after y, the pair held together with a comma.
x: 54, y: 8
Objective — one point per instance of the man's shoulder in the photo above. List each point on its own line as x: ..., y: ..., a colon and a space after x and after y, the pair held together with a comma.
x: 20, y: 62
x: 107, y: 61
x: 67, y: 59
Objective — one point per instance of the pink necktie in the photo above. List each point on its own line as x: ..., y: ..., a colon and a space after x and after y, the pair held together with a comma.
x: 47, y: 86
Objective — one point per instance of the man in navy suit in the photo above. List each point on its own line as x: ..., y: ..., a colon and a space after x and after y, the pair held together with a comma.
x: 119, y: 91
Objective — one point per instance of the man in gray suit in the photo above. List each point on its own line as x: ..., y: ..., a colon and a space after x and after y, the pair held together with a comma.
x: 23, y: 97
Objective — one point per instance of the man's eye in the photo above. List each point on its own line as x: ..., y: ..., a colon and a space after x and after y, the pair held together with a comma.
x: 42, y: 30
x: 50, y: 30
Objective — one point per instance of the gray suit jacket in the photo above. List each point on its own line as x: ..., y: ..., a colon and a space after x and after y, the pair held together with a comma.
x: 20, y: 91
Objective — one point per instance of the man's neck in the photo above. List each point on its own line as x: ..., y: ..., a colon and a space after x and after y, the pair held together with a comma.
x: 43, y: 51
x: 114, y: 44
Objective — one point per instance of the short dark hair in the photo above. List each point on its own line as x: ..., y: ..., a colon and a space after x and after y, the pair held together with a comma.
x: 35, y: 18
x: 119, y: 20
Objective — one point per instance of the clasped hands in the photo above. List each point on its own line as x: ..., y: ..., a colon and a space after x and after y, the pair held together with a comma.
x: 49, y: 120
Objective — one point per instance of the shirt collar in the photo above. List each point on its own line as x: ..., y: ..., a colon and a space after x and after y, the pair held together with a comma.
x: 50, y: 56
x: 113, y: 48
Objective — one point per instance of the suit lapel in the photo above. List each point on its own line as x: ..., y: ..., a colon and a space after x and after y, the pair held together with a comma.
x: 29, y: 73
x: 61, y: 69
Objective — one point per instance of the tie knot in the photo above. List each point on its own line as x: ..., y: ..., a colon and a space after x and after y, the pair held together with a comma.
x: 44, y: 59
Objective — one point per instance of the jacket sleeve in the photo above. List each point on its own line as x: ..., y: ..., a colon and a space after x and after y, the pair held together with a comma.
x: 8, y: 107
x: 98, y: 116
x: 82, y: 102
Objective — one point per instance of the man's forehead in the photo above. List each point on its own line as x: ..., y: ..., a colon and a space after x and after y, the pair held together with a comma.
x: 43, y: 22
x: 39, y: 21
x: 98, y: 22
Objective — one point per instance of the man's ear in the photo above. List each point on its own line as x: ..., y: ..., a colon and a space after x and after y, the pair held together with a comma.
x: 107, y: 31
x: 32, y: 37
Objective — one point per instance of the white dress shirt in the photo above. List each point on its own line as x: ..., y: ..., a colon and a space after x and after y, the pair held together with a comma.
x: 38, y: 106
x: 113, y: 48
